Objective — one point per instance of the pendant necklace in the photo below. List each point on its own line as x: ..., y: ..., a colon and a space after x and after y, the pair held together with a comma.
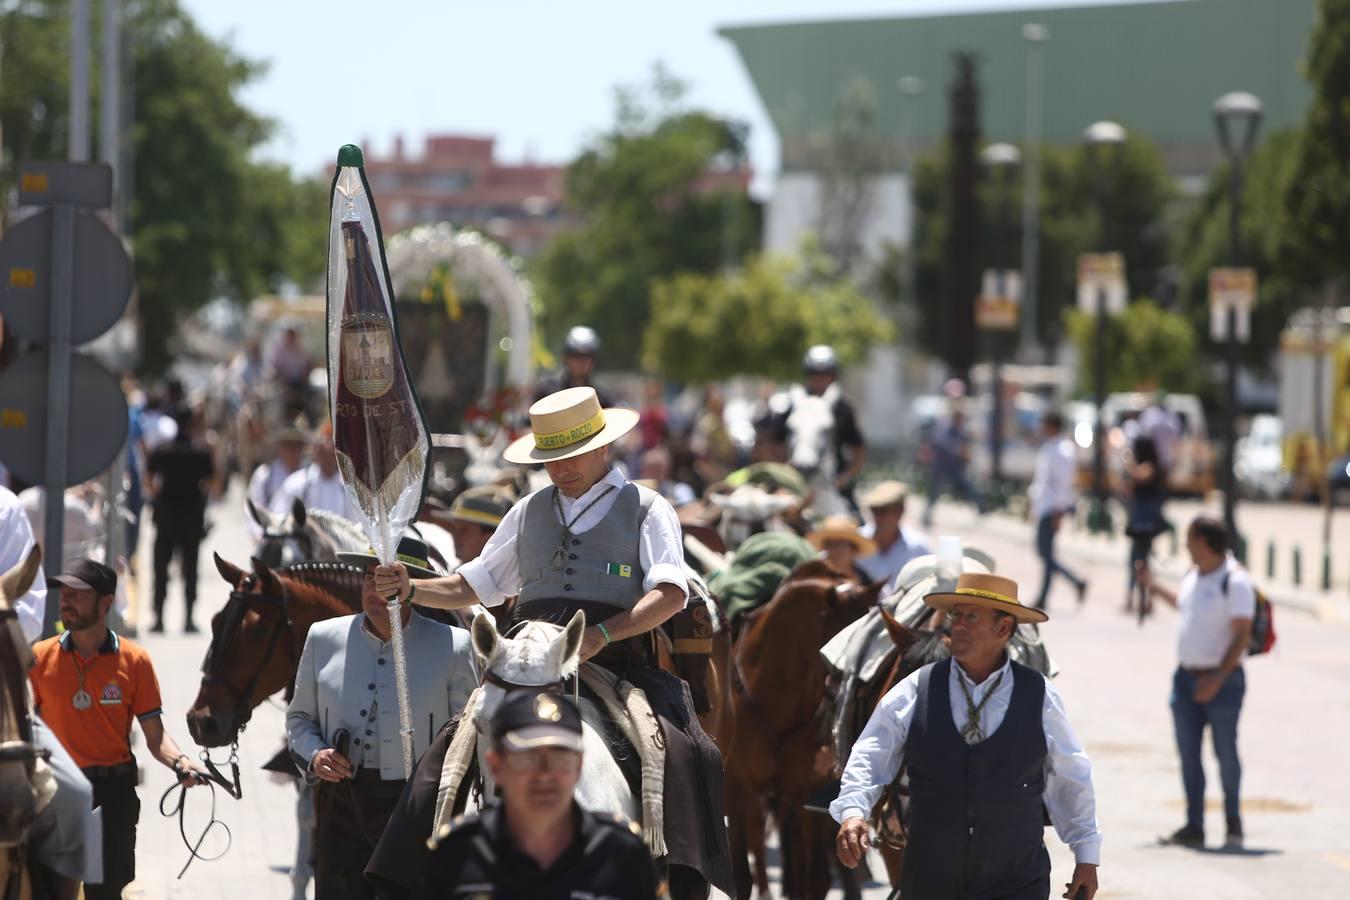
x: 82, y: 699
x: 972, y: 733
x: 560, y: 555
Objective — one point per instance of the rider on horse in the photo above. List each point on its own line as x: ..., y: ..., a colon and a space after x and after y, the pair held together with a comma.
x: 594, y: 541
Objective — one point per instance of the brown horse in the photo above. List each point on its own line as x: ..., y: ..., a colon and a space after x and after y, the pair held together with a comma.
x: 257, y: 637
x: 781, y: 727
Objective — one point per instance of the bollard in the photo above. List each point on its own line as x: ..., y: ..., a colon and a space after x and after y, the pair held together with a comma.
x: 1326, y: 570
x: 1270, y: 560
x: 1298, y: 567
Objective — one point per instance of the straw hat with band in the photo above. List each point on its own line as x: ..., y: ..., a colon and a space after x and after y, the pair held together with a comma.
x: 568, y: 423
x: 412, y: 552
x: 841, y: 528
x: 990, y: 591
x: 486, y: 505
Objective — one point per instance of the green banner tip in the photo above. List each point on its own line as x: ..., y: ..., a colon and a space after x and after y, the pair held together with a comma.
x: 350, y: 156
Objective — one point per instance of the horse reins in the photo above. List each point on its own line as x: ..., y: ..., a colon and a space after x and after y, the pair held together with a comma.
x: 243, y: 708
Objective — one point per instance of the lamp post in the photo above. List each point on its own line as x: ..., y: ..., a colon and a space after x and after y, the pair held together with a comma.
x: 739, y: 133
x: 1001, y: 160
x: 910, y: 90
x: 1035, y: 35
x: 1105, y: 143
x: 1237, y: 119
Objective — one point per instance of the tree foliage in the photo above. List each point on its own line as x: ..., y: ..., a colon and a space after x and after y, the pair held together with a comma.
x: 1146, y: 346
x: 1140, y: 195
x: 639, y: 189
x: 757, y: 321
x: 205, y: 221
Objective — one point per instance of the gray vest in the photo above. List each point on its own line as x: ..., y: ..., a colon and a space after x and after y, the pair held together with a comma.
x: 602, y: 565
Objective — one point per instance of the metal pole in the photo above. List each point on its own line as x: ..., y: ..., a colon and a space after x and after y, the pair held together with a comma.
x: 1031, y: 193
x: 109, y: 133
x: 1097, y: 521
x: 58, y: 400
x: 910, y: 88
x: 77, y: 149
x: 1230, y: 413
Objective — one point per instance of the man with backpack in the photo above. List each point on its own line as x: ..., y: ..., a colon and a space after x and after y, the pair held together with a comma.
x: 1217, y: 604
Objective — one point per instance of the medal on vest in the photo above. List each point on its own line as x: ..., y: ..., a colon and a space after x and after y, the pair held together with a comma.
x: 559, y: 559
x: 971, y: 732
x: 82, y: 700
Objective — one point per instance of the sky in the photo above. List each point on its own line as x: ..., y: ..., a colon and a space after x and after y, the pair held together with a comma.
x: 539, y: 75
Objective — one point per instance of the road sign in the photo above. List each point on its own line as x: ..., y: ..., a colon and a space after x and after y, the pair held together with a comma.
x: 1231, y: 290
x: 98, y: 414
x: 1098, y: 272
x: 101, y: 282
x: 998, y: 306
x: 48, y: 183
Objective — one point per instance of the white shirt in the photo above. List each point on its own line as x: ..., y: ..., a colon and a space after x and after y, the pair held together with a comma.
x: 264, y: 485
x: 16, y: 540
x: 1068, y: 794
x: 495, y: 574
x: 1205, y: 630
x: 1051, y: 488
x: 884, y: 565
x: 309, y: 486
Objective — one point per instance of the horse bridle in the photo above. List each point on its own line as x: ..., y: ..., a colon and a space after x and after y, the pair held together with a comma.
x: 23, y: 749
x: 236, y: 608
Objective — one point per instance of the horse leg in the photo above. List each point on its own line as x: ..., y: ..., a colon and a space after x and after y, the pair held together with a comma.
x: 742, y: 806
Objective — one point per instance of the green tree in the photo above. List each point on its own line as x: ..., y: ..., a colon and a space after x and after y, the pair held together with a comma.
x: 205, y: 221
x: 640, y: 191
x: 758, y: 320
x: 1145, y: 345
x: 1140, y: 194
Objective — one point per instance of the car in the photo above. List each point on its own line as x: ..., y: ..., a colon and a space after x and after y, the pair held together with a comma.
x: 1259, y: 467
x: 1338, y: 477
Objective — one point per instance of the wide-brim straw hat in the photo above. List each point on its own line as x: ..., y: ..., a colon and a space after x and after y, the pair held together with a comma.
x: 568, y: 423
x: 885, y: 493
x: 841, y: 528
x: 412, y: 552
x: 989, y: 591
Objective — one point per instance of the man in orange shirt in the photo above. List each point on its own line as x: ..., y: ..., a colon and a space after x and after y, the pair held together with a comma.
x: 88, y: 685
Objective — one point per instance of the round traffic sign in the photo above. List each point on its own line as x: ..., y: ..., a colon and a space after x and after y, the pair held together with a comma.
x: 98, y: 418
x: 102, y: 277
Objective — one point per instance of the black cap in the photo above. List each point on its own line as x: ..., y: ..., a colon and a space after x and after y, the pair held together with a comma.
x: 84, y: 574
x: 529, y: 719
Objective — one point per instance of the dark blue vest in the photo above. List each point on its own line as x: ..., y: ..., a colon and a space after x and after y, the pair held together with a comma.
x: 975, y: 826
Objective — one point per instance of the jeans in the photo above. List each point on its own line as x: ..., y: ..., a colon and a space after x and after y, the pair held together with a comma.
x: 1045, y: 546
x: 1221, y: 715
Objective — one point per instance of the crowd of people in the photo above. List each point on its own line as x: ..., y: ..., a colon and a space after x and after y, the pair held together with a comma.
x: 602, y: 535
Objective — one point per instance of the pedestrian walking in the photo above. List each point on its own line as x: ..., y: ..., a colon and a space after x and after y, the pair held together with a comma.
x: 89, y: 685
x: 895, y: 544
x: 1052, y: 498
x: 1147, y: 478
x: 989, y: 750
x: 951, y: 448
x: 1216, y: 602
x: 343, y: 722
x: 179, y: 472
x: 538, y: 842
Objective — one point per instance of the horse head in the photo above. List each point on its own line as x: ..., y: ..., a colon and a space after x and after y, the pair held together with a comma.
x: 749, y: 510
x: 810, y: 435
x: 290, y: 539
x: 532, y: 654
x: 253, y: 654
x: 20, y: 798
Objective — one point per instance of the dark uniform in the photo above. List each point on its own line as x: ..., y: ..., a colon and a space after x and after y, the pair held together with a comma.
x: 182, y: 466
x: 606, y: 861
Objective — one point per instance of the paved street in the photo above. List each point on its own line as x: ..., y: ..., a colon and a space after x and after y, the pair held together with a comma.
x: 1115, y: 680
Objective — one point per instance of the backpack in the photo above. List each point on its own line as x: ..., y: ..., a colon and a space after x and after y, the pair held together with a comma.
x: 1263, y: 622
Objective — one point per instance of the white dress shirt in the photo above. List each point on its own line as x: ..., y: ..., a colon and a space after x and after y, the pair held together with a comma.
x: 316, y: 492
x: 16, y: 539
x: 1205, y: 627
x: 266, y: 482
x: 884, y: 565
x: 877, y: 755
x: 495, y: 574
x: 1051, y: 488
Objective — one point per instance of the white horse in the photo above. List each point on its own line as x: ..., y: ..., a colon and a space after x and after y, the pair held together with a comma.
x: 540, y: 653
x: 810, y: 445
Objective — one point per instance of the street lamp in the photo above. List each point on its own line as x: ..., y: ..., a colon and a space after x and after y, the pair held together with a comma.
x: 1105, y: 142
x: 1237, y: 119
x: 1001, y: 160
x: 1035, y: 35
x: 910, y: 90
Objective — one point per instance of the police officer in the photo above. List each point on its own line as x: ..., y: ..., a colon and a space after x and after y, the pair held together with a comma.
x: 538, y: 842
x: 580, y: 349
x: 180, y: 471
x: 342, y: 725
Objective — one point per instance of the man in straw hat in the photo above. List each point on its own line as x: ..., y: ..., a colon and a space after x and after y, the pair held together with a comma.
x: 267, y: 479
x: 593, y: 541
x: 896, y: 545
x: 988, y: 748
x: 841, y: 545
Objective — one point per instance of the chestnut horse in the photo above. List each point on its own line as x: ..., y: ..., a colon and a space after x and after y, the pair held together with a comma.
x: 781, y: 705
x: 257, y: 637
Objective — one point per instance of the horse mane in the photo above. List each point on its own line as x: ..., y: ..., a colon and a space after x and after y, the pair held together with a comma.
x: 329, y: 585
x: 14, y: 708
x: 345, y: 535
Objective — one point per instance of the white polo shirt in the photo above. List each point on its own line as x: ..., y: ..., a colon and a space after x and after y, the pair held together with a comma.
x: 1205, y: 629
